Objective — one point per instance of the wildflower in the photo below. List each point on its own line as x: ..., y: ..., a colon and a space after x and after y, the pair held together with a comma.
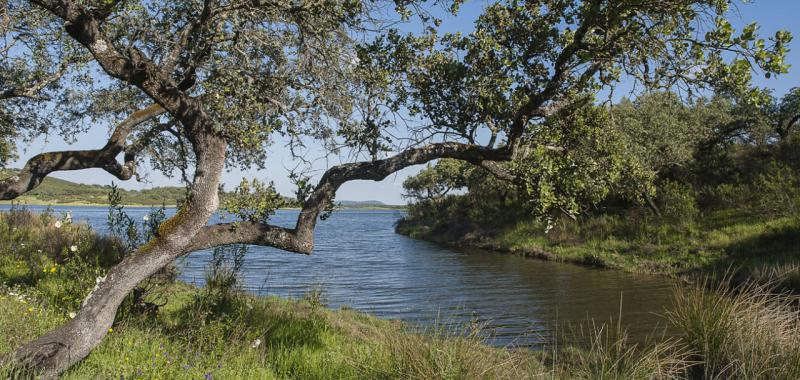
x: 146, y: 218
x: 73, y: 248
x: 38, y: 251
x: 57, y: 224
x: 256, y: 343
x: 110, y: 330
x: 53, y: 269
x: 68, y: 217
x: 71, y: 315
x: 30, y: 310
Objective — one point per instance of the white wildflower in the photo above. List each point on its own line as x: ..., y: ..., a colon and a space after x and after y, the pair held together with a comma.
x: 256, y: 343
x: 73, y: 248
x: 146, y: 217
x: 549, y: 225
x: 99, y: 280
x: 71, y: 314
x: 57, y: 224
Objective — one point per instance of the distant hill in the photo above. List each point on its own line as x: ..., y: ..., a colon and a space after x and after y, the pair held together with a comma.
x: 368, y: 204
x: 54, y: 191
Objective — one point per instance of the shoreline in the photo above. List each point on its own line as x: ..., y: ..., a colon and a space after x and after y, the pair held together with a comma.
x: 736, y: 252
x: 27, y: 202
x: 482, y: 243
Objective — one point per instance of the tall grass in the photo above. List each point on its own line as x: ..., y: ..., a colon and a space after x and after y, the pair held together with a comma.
x: 746, y: 331
x: 607, y: 353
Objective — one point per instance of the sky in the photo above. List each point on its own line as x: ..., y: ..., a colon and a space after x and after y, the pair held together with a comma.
x: 771, y: 15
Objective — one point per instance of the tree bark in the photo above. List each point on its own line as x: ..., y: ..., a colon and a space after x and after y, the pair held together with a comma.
x: 40, y: 165
x: 59, y: 349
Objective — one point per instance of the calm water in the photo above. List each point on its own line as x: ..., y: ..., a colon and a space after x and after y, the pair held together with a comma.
x: 360, y: 262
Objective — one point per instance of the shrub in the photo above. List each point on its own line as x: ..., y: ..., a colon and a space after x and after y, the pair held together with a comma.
x: 678, y: 203
x: 776, y: 192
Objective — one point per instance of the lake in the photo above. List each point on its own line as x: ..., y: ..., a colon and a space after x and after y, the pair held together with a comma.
x: 359, y: 262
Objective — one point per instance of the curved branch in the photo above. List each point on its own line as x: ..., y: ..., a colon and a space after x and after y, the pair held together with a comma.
x: 301, y: 238
x: 40, y: 165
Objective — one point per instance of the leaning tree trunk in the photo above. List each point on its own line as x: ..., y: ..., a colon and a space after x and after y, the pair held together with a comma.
x: 59, y: 349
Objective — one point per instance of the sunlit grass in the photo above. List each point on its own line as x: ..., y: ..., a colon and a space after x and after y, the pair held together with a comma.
x: 724, y: 331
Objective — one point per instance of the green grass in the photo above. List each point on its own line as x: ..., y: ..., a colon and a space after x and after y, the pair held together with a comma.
x: 222, y: 333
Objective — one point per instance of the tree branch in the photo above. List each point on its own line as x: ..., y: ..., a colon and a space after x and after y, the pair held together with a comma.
x: 32, y: 90
x: 39, y: 166
x: 133, y: 67
x: 301, y: 238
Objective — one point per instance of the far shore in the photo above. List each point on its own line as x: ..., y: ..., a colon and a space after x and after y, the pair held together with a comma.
x: 39, y: 202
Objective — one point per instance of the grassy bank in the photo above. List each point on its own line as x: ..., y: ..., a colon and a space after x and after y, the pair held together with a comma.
x: 219, y: 332
x: 722, y: 241
x: 263, y: 338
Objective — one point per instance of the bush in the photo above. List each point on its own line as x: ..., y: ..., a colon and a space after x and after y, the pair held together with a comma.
x: 678, y: 203
x: 222, y: 292
x: 777, y: 191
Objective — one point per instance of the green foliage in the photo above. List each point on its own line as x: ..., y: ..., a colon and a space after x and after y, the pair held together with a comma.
x: 744, y: 332
x: 527, y: 74
x: 607, y: 353
x: 777, y: 191
x: 661, y: 132
x: 678, y: 203
x: 130, y: 235
x: 253, y: 201
x: 221, y: 291
x: 587, y: 162
x: 436, y: 181
x: 243, y: 337
x: 131, y: 232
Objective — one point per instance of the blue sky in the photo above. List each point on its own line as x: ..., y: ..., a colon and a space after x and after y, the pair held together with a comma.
x: 771, y: 15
